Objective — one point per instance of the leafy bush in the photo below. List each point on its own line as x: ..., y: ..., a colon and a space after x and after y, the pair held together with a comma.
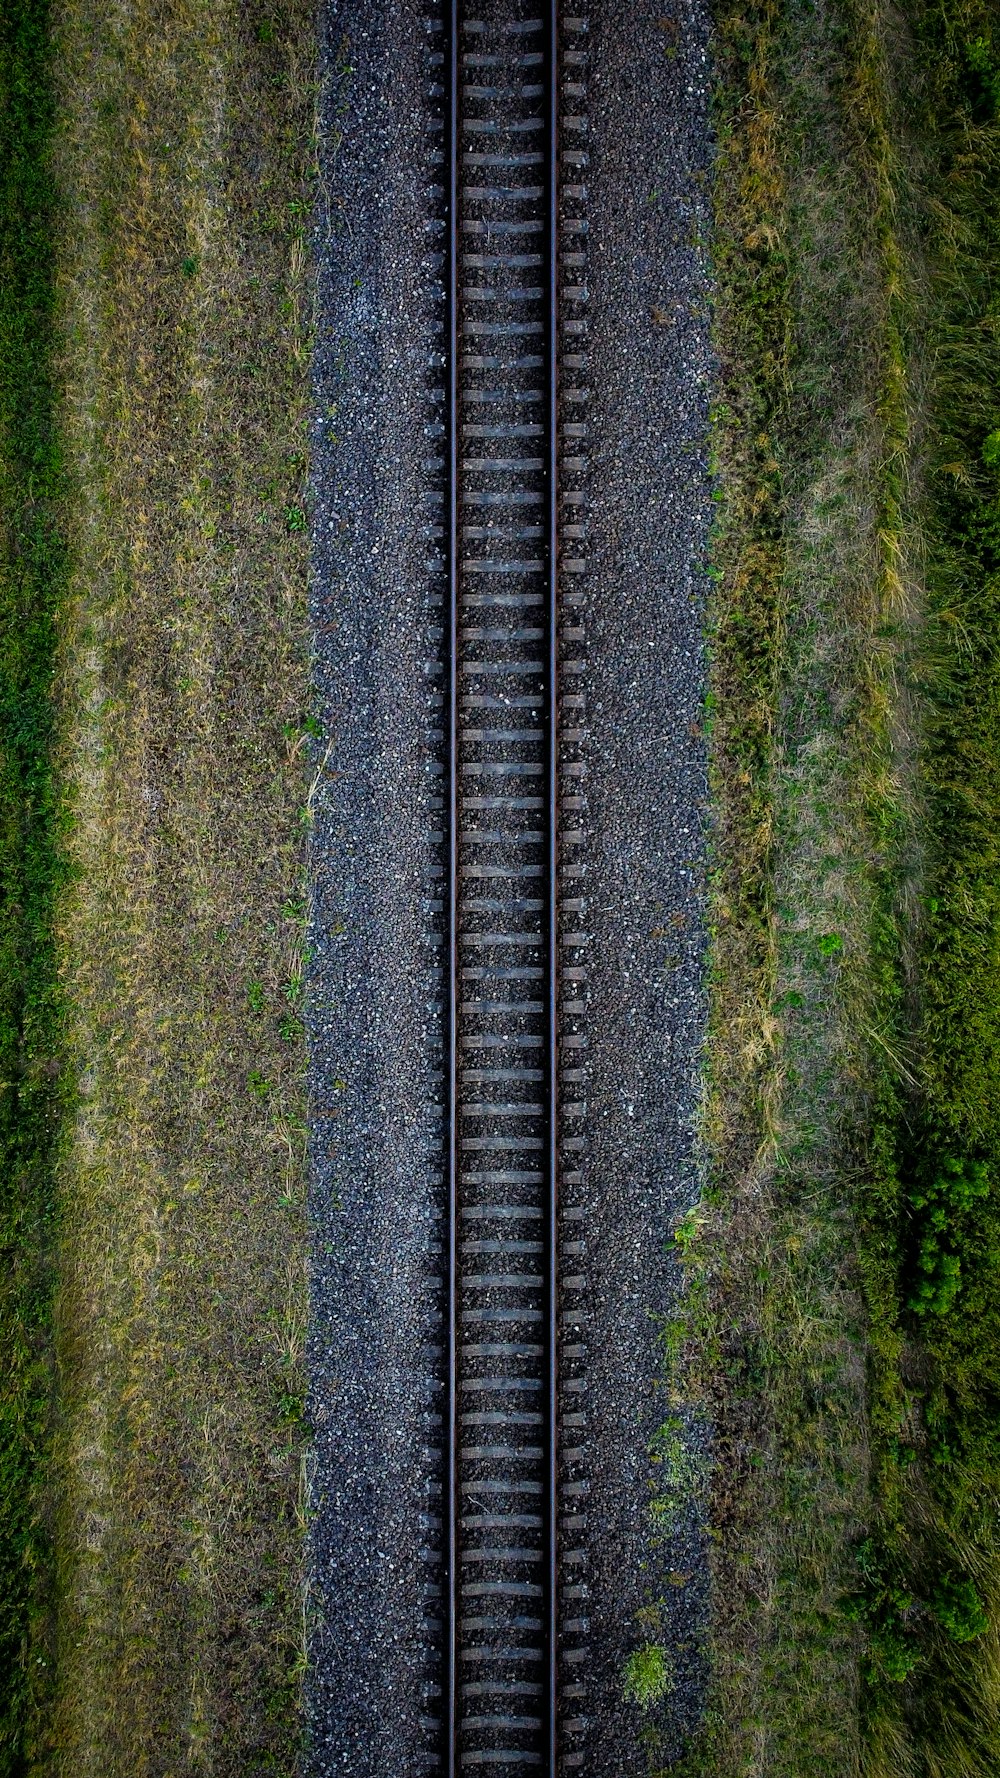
x: 894, y: 1617
x: 941, y: 1208
x: 893, y: 1651
x: 882, y: 1604
x: 958, y: 1609
x: 981, y: 60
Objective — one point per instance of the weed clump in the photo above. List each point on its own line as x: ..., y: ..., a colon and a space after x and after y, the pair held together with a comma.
x: 648, y: 1678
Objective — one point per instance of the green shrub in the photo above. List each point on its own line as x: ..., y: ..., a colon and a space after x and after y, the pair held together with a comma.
x: 958, y: 1608
x: 883, y: 1604
x: 981, y: 61
x: 941, y: 1210
x: 893, y: 1652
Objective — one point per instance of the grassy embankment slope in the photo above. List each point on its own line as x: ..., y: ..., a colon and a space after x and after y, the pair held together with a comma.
x: 173, y: 1498
x: 843, y: 1321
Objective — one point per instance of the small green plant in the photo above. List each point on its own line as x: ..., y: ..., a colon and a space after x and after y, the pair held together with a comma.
x: 648, y: 1675
x: 686, y: 1232
x: 681, y: 1473
x: 291, y: 1406
x: 255, y: 997
x: 893, y: 1653
x: 982, y: 61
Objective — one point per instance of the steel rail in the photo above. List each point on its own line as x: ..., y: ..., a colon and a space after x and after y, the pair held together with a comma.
x: 456, y: 1549
x: 450, y: 1627
x: 552, y: 122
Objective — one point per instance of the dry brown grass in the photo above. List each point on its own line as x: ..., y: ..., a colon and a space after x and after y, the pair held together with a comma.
x: 184, y: 150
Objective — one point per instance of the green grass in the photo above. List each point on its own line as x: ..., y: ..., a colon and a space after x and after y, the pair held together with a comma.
x: 648, y: 1679
x: 956, y: 114
x: 155, y: 310
x: 184, y: 153
x: 32, y: 577
x: 843, y: 1316
x: 945, y: 1552
x: 804, y: 937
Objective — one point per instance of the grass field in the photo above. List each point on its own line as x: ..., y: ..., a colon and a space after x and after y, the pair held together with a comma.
x: 842, y: 1314
x: 155, y: 315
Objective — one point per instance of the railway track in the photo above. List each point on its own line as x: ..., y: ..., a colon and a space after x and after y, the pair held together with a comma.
x: 505, y: 1632
x: 505, y: 996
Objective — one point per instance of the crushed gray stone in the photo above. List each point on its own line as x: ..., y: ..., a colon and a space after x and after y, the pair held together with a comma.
x: 371, y: 1021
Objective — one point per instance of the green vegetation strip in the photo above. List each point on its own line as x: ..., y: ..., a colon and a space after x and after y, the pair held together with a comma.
x: 32, y: 575
x: 934, y: 1599
x: 184, y: 157
x: 843, y: 1312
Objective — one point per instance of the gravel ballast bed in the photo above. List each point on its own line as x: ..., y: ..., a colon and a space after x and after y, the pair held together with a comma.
x: 373, y: 1027
x: 650, y: 378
